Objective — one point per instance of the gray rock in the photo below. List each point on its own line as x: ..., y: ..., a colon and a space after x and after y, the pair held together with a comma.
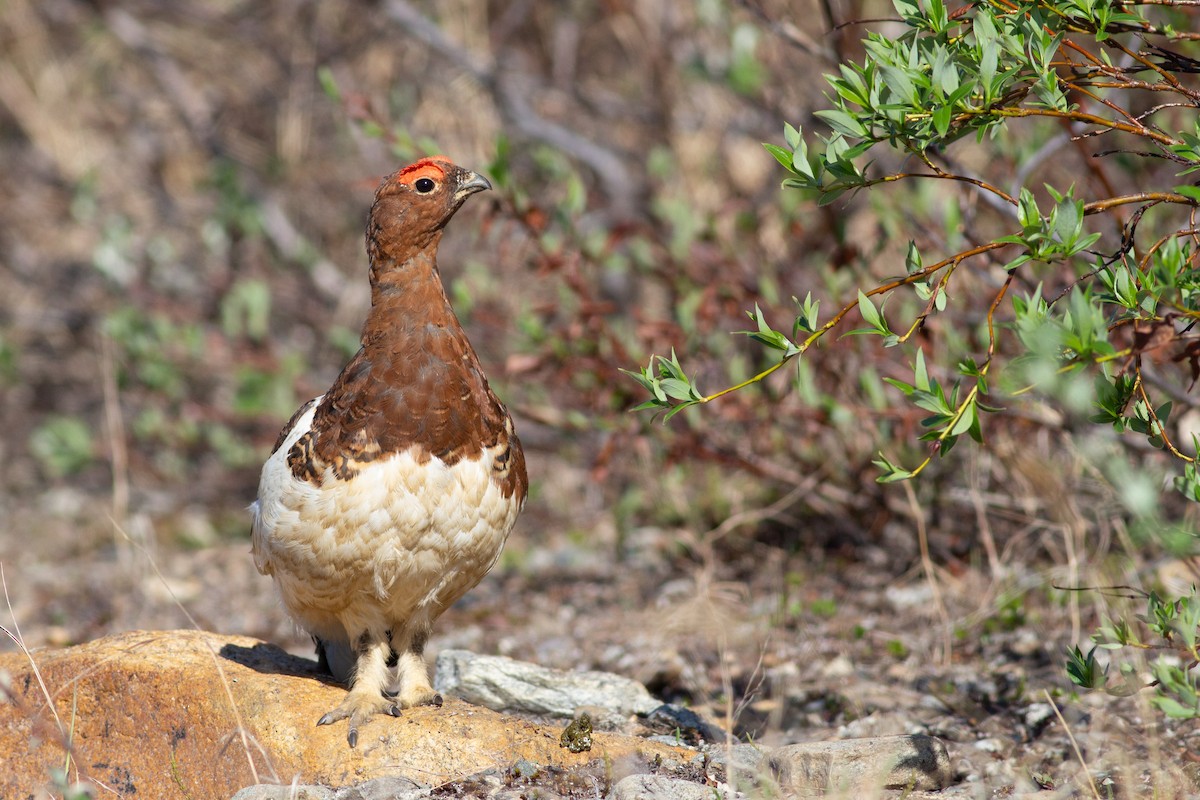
x: 691, y: 727
x: 504, y: 684
x: 915, y: 762
x: 660, y: 787
x: 275, y: 792
x: 525, y: 770
x: 391, y: 787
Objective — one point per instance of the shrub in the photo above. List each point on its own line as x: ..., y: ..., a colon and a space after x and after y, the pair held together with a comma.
x: 1072, y: 278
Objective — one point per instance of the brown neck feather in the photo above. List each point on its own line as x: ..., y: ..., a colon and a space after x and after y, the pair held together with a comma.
x: 405, y: 294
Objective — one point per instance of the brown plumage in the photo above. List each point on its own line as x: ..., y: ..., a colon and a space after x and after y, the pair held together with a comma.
x: 391, y: 495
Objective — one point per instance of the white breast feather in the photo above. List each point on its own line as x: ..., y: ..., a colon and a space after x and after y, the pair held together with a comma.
x: 399, y: 540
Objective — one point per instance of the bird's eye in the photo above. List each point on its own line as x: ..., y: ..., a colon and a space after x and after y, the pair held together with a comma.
x: 424, y: 185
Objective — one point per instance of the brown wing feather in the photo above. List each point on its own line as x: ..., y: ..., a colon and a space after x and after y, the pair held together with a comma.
x: 291, y: 423
x: 416, y: 387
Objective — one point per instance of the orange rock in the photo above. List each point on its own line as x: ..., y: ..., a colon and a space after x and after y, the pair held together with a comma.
x: 199, y: 715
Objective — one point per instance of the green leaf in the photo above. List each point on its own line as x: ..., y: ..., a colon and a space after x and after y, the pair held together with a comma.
x: 891, y: 473
x: 843, y: 123
x: 1083, y: 670
x: 792, y: 136
x: 781, y: 155
x: 870, y: 314
x: 965, y: 420
x: 920, y: 373
x: 912, y: 258
x: 677, y: 409
x: 1173, y: 708
x: 941, y: 119
x: 329, y: 84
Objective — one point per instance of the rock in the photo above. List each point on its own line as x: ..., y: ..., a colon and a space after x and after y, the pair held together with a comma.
x: 660, y: 787
x: 743, y: 763
x: 690, y: 727
x: 915, y: 762
x: 193, y: 714
x: 388, y: 788
x: 504, y: 684
x: 525, y: 770
x: 993, y: 745
x: 1037, y: 717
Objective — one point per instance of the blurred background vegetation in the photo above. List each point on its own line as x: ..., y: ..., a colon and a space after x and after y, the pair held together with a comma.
x: 181, y: 220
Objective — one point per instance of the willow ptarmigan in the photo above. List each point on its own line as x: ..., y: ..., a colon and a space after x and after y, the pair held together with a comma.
x: 389, y: 496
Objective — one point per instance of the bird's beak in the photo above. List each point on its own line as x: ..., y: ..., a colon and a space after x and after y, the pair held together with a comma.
x: 471, y: 183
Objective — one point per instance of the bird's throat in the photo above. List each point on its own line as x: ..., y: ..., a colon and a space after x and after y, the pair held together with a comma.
x: 408, y: 303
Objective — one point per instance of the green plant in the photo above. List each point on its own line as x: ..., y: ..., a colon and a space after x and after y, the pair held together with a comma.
x: 1074, y: 280
x: 1173, y: 625
x: 1119, y: 295
x: 62, y: 445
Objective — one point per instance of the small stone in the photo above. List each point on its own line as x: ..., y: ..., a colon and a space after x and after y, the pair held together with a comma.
x: 839, y: 667
x: 993, y: 745
x: 525, y: 770
x: 523, y: 793
x: 915, y: 762
x: 911, y: 596
x: 1037, y: 716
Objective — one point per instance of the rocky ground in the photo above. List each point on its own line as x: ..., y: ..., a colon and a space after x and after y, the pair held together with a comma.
x: 763, y: 648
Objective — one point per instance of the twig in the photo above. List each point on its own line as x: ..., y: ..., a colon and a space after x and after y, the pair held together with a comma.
x: 756, y: 515
x: 114, y: 425
x: 19, y: 640
x: 931, y: 578
x: 1074, y: 744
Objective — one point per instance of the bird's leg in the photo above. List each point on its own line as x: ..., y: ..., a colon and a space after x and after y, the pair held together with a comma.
x: 365, y: 698
x: 412, y: 676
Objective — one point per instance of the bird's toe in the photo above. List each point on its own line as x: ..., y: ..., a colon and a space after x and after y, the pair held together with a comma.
x: 359, y: 709
x: 419, y: 696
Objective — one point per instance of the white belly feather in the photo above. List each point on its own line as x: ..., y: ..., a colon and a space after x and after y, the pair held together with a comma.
x: 392, y: 546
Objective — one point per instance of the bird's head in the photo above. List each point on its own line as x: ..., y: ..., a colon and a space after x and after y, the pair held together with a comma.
x: 414, y: 203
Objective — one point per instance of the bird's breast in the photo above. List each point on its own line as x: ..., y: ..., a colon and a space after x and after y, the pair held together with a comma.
x: 408, y: 530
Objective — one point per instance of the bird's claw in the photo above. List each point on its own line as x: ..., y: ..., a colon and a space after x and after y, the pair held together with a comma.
x: 359, y: 711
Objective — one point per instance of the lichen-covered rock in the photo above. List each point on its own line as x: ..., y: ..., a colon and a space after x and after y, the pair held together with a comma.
x: 193, y: 714
x: 505, y: 684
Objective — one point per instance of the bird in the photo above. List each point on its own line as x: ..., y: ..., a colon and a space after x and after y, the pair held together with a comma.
x: 388, y: 497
